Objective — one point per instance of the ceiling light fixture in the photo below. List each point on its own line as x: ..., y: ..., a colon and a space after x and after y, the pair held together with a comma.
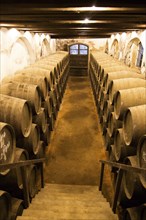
x: 86, y: 21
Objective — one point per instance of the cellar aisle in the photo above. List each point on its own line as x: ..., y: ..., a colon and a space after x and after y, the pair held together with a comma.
x: 76, y: 143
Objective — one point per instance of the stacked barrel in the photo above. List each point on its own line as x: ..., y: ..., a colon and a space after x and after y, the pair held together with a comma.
x: 120, y: 97
x: 29, y: 103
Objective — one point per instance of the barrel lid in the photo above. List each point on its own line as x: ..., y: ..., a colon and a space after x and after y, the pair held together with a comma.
x: 7, y: 145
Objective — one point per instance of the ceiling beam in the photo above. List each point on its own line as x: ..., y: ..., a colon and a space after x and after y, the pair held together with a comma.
x: 27, y: 8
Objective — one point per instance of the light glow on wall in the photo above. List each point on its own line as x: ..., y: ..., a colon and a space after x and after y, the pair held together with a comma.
x: 28, y: 35
x: 123, y: 35
x: 13, y: 33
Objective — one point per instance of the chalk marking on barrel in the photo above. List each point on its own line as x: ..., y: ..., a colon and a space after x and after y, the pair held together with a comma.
x: 4, y: 147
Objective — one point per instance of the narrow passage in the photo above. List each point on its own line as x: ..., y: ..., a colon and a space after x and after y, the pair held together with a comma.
x: 76, y: 143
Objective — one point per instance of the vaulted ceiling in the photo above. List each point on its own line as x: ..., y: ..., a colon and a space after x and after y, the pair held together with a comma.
x: 74, y: 18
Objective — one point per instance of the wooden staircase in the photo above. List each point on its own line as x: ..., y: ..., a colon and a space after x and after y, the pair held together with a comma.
x: 68, y: 202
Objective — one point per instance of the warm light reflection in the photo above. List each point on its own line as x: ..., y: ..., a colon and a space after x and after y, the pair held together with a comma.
x: 7, y: 25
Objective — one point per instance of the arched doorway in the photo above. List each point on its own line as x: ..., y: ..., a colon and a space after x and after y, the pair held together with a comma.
x: 140, y: 55
x: 21, y: 55
x: 134, y: 53
x: 115, y: 49
x: 45, y: 49
x: 78, y: 59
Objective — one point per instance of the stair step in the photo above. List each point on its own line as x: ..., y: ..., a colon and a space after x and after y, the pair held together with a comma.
x: 70, y: 192
x: 71, y: 188
x: 67, y: 202
x: 68, y: 215
x: 46, y: 218
x: 71, y: 207
x: 68, y: 196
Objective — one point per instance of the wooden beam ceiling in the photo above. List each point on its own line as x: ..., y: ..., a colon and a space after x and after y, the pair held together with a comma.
x: 67, y: 20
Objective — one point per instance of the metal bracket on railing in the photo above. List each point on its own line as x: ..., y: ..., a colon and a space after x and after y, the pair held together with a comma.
x: 117, y: 189
x: 25, y: 187
x: 42, y: 175
x: 101, y: 176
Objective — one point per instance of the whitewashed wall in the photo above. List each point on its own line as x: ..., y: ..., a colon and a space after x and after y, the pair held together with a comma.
x: 122, y: 46
x: 128, y: 46
x: 19, y: 49
x: 94, y: 44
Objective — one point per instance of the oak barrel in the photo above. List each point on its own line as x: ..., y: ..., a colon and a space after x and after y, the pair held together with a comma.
x: 134, y: 124
x: 30, y: 143
x: 41, y: 120
x: 17, y: 208
x: 26, y: 77
x: 16, y: 112
x: 33, y: 71
x: 135, y: 213
x: 119, y: 75
x: 7, y: 145
x: 12, y: 181
x: 121, y: 151
x: 127, y: 98
x: 25, y: 91
x: 113, y: 124
x: 127, y: 83
x: 131, y: 182
x: 5, y: 205
x: 32, y: 179
x: 46, y: 135
x: 141, y: 156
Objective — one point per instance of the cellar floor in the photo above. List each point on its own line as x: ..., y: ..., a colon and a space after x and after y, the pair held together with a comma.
x: 77, y: 144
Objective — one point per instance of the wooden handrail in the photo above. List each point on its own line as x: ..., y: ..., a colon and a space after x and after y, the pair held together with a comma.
x: 22, y: 165
x: 121, y: 168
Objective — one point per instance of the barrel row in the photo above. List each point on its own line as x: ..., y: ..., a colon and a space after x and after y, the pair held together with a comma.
x: 29, y: 103
x: 120, y: 97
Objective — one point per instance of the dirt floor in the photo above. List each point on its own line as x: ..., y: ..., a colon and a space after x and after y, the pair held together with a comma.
x: 77, y: 143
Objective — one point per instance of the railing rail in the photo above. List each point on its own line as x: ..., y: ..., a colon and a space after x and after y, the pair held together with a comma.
x: 22, y: 165
x: 121, y: 168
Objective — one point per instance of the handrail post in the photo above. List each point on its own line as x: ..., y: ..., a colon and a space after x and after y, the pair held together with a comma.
x: 42, y: 175
x: 117, y: 189
x: 25, y: 186
x: 101, y: 176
